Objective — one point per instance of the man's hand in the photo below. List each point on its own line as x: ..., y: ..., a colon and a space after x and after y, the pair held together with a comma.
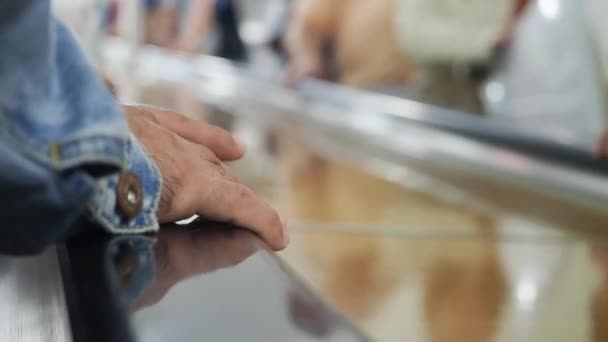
x: 190, y: 157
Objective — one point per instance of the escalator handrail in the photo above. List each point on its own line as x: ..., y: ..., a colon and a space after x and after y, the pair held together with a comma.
x: 223, y: 83
x: 572, y: 154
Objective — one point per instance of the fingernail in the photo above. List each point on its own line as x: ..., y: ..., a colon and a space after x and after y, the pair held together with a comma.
x: 285, y: 232
x: 241, y: 145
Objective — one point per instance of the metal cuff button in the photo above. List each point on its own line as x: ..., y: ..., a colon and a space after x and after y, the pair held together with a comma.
x: 129, y: 195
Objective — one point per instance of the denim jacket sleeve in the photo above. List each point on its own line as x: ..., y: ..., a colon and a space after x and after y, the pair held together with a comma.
x: 63, y: 138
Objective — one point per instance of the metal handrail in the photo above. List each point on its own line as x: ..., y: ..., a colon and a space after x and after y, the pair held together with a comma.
x: 498, y: 132
x: 411, y: 138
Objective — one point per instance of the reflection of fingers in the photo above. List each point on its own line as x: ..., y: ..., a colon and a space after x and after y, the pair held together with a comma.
x: 231, y: 202
x: 191, y: 253
x: 243, y: 250
x: 218, y: 140
x: 229, y: 249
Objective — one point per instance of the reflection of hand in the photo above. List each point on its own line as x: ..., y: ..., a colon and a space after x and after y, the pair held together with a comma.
x: 181, y: 253
x: 197, y: 24
x: 189, y: 155
x: 193, y: 252
x: 308, y: 314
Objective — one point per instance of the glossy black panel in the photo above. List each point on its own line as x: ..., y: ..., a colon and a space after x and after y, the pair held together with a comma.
x: 199, y: 282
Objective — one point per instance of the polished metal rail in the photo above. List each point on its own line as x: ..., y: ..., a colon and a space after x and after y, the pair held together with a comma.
x: 410, y: 133
x: 575, y: 153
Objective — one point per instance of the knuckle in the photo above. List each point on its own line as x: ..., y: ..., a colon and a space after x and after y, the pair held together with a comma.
x: 181, y: 119
x: 244, y: 193
x: 173, y: 141
x: 155, y: 118
x: 206, y: 154
x: 149, y: 113
x: 218, y: 202
x: 218, y: 167
x: 240, y: 197
x: 227, y: 173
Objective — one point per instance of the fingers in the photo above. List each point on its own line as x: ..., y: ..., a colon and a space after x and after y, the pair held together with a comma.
x: 196, y: 181
x: 219, y: 141
x: 194, y: 168
x: 231, y: 202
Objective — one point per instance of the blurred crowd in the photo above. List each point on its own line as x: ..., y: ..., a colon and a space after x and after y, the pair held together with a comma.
x: 529, y: 63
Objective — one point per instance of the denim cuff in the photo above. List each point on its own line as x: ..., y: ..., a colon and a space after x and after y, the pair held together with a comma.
x: 104, y: 208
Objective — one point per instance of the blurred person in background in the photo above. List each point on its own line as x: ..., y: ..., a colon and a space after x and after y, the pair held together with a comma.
x: 549, y: 82
x: 439, y: 47
x: 161, y: 19
x: 207, y: 14
x: 464, y: 55
x: 191, y: 25
x: 69, y: 153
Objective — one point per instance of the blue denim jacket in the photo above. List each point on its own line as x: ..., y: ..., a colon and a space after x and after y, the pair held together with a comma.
x: 63, y: 137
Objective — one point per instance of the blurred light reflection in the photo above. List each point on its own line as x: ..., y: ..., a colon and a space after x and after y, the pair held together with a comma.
x: 550, y: 9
